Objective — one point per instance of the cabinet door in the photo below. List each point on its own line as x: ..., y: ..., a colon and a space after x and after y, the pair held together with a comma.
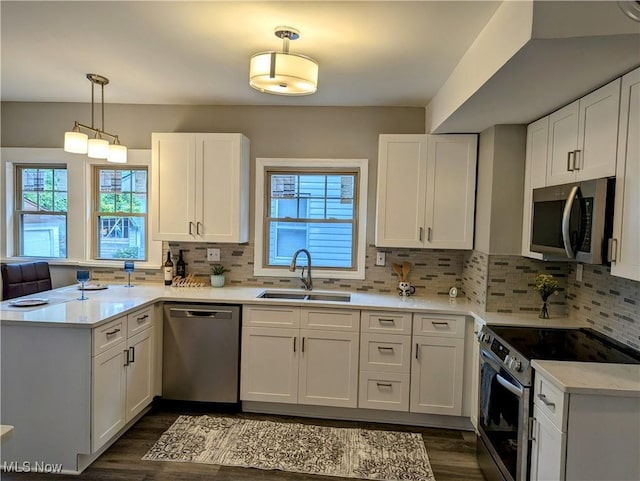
x: 222, y: 187
x: 173, y: 187
x: 451, y: 186
x: 563, y: 142
x: 269, y: 365
x: 548, y: 448
x: 598, y: 133
x: 328, y: 368
x: 108, y: 395
x: 535, y: 176
x: 626, y: 218
x: 436, y: 375
x: 402, y: 175
x: 140, y: 372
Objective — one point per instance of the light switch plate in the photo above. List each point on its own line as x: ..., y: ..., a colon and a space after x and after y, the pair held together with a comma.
x: 213, y: 255
x: 380, y: 258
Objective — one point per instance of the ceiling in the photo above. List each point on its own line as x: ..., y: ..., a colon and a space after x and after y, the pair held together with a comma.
x: 381, y: 53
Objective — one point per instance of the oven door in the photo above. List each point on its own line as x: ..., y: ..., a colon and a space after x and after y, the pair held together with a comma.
x: 503, y: 418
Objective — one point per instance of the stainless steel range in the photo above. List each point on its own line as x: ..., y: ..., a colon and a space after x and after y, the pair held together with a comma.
x: 505, y: 384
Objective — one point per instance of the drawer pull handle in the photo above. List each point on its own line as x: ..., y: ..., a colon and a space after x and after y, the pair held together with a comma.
x: 392, y: 321
x: 544, y: 399
x: 133, y: 353
x: 384, y: 384
x: 440, y: 323
x: 417, y: 349
x: 126, y: 357
x: 142, y: 318
x: 385, y: 348
x: 112, y: 333
x: 303, y: 344
x: 294, y: 344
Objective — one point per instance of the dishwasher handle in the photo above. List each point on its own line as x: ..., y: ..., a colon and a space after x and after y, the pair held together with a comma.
x: 177, y: 312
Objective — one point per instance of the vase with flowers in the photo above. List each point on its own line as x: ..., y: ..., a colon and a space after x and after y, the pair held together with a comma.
x: 546, y: 285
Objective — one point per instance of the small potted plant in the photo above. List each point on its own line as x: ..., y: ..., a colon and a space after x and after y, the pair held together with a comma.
x: 217, y: 275
x: 545, y: 285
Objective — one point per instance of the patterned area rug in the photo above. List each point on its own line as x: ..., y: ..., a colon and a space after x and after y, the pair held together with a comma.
x: 301, y: 448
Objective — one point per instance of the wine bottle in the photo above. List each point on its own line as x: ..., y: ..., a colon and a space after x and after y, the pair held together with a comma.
x: 181, y: 268
x: 168, y: 270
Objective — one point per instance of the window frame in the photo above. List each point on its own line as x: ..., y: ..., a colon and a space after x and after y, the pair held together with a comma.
x: 18, y: 211
x: 301, y: 166
x: 96, y: 214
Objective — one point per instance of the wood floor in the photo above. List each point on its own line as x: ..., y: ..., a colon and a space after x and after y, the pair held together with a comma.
x: 452, y: 455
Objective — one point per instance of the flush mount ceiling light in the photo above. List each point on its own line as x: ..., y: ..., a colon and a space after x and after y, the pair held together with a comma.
x: 78, y: 142
x: 284, y: 73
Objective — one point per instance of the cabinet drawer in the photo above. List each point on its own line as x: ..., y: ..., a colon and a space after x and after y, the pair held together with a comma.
x: 384, y: 352
x: 551, y: 402
x: 139, y: 321
x: 384, y: 390
x: 332, y: 319
x: 438, y: 325
x: 109, y: 334
x: 393, y: 323
x: 270, y: 316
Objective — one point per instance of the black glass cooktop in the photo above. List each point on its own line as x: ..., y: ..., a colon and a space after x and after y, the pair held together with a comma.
x: 584, y: 345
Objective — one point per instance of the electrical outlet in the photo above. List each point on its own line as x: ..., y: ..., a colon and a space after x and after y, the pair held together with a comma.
x: 579, y: 268
x: 380, y: 258
x: 213, y: 255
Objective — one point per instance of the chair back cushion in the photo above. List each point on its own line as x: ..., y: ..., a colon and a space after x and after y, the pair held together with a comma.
x: 23, y: 279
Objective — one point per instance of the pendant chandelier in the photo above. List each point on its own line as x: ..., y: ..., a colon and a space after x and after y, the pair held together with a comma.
x: 97, y: 147
x: 284, y: 73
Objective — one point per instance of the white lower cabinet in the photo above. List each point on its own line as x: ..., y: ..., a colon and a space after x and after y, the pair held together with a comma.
x: 385, y: 361
x: 123, y: 377
x: 437, y: 364
x: 269, y: 370
x: 328, y: 368
x: 547, y: 449
x: 583, y: 437
x: 300, y: 366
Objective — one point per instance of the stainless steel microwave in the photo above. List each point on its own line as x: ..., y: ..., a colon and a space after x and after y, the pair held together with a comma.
x: 573, y: 221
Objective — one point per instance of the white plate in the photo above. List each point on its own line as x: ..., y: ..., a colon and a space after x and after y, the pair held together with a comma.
x: 34, y: 301
x: 94, y: 287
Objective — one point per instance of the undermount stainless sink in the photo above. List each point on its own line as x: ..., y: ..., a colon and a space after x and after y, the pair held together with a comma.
x: 306, y: 296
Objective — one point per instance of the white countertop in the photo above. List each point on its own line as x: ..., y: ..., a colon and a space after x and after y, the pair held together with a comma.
x: 64, y: 308
x: 592, y: 377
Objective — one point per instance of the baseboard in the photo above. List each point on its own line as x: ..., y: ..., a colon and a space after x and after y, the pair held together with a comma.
x: 357, y: 414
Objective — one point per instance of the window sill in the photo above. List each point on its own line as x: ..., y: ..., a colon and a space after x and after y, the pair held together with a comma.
x: 81, y: 263
x: 316, y: 273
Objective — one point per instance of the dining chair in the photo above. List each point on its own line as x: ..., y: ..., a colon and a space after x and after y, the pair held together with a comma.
x: 25, y: 278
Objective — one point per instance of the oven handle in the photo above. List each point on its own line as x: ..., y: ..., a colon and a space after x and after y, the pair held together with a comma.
x: 517, y: 390
x: 512, y: 388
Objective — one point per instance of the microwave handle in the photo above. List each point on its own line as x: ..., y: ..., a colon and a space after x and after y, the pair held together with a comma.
x: 566, y: 216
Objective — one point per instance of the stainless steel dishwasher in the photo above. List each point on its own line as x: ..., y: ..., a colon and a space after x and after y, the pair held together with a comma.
x: 201, y: 354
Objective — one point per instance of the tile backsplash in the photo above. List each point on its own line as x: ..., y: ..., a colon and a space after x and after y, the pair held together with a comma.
x: 432, y: 272
x: 495, y: 283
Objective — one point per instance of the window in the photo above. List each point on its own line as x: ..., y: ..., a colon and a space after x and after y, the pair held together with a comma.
x: 314, y: 211
x: 41, y: 211
x: 315, y: 205
x: 120, y: 213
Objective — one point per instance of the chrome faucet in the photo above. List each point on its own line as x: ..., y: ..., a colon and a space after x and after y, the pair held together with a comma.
x: 307, y: 283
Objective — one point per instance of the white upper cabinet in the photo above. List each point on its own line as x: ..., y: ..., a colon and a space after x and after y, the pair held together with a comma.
x: 626, y: 219
x: 200, y: 187
x: 583, y: 137
x: 534, y: 176
x: 426, y: 191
